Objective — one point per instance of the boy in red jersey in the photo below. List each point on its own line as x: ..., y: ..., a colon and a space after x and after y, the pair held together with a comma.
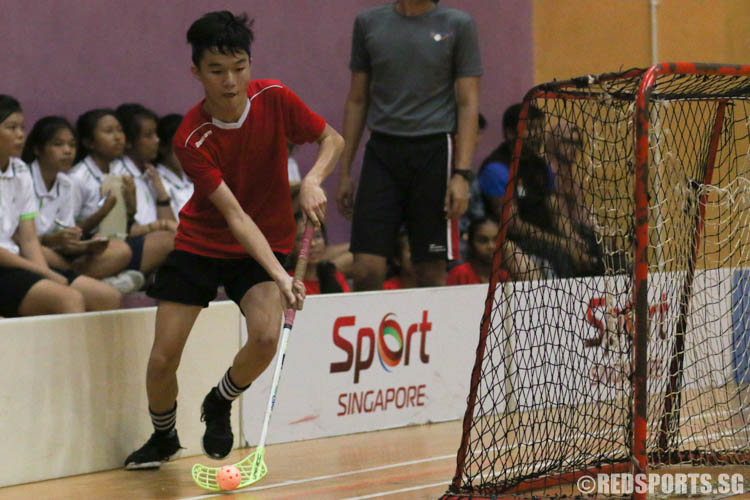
x: 236, y: 229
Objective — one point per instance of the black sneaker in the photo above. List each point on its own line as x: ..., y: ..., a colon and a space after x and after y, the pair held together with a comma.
x: 159, y: 448
x: 218, y: 438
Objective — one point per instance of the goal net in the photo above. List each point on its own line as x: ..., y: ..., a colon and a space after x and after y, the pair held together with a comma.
x: 620, y: 344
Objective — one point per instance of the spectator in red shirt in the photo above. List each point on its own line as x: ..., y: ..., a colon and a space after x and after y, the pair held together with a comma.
x: 237, y: 228
x: 321, y: 275
x: 478, y: 268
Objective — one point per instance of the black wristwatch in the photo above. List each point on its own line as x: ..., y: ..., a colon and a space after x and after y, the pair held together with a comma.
x: 465, y: 173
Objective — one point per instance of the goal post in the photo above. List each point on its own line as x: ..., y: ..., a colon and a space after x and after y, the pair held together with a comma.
x: 628, y: 201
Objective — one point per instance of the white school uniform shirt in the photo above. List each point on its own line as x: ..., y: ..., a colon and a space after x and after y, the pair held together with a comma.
x: 54, y: 204
x: 293, y: 170
x: 87, y: 180
x: 180, y: 189
x: 145, y: 197
x: 17, y: 201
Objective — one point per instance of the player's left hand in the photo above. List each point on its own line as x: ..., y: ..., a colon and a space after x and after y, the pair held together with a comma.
x: 312, y: 201
x: 457, y: 197
x: 292, y: 293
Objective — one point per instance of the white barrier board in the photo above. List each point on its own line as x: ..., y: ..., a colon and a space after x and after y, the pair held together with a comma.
x: 368, y: 361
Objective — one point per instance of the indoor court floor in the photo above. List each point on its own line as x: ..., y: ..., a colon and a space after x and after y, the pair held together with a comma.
x: 414, y: 462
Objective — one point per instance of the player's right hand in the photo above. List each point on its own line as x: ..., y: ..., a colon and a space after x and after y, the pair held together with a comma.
x: 345, y: 196
x: 312, y: 201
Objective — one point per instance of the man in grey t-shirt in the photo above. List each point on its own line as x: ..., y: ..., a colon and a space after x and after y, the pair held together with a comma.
x: 415, y: 81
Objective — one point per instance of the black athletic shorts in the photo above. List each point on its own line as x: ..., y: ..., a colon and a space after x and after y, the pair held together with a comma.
x: 16, y: 283
x: 404, y: 181
x: 193, y: 279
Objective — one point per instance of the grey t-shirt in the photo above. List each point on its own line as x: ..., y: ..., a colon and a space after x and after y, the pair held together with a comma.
x: 413, y: 62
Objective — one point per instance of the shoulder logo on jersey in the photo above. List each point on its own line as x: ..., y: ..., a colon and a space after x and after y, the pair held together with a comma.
x: 439, y: 37
x: 203, y: 138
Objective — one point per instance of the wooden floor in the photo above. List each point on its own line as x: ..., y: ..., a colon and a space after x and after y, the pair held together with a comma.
x: 409, y: 463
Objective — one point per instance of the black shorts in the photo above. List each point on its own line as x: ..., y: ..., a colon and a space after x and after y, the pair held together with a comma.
x: 69, y: 274
x: 16, y: 284
x: 404, y: 181
x: 136, y: 248
x: 193, y: 279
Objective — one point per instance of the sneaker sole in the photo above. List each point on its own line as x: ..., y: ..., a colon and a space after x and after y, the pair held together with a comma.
x: 152, y: 465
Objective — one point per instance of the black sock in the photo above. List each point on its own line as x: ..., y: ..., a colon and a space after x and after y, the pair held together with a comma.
x: 164, y: 422
x: 227, y: 389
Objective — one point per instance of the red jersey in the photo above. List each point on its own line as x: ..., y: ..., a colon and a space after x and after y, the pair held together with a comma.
x: 250, y: 156
x: 465, y: 275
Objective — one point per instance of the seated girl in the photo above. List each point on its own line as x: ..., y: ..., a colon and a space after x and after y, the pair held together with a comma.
x: 153, y: 210
x: 30, y: 286
x: 49, y: 151
x: 481, y: 250
x: 102, y: 143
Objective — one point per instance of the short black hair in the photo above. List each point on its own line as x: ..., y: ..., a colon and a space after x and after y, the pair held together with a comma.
x: 130, y: 115
x: 166, y: 129
x: 221, y: 31
x: 42, y: 132
x: 8, y: 106
x: 85, y: 127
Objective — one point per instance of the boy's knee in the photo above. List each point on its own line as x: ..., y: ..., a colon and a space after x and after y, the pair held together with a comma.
x: 162, y: 362
x: 265, y: 347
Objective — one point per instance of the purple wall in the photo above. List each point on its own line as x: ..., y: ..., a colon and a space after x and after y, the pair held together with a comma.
x: 66, y: 56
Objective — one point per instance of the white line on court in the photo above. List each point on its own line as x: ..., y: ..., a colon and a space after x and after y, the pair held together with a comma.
x: 402, y: 490
x: 330, y: 476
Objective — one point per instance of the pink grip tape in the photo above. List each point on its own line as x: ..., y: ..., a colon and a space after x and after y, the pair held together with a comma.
x: 301, y: 268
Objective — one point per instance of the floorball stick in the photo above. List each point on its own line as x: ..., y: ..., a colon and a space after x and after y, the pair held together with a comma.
x: 253, y: 467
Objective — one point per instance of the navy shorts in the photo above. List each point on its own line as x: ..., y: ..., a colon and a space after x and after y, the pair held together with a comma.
x: 404, y: 182
x: 16, y: 284
x: 136, y: 248
x: 193, y: 279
